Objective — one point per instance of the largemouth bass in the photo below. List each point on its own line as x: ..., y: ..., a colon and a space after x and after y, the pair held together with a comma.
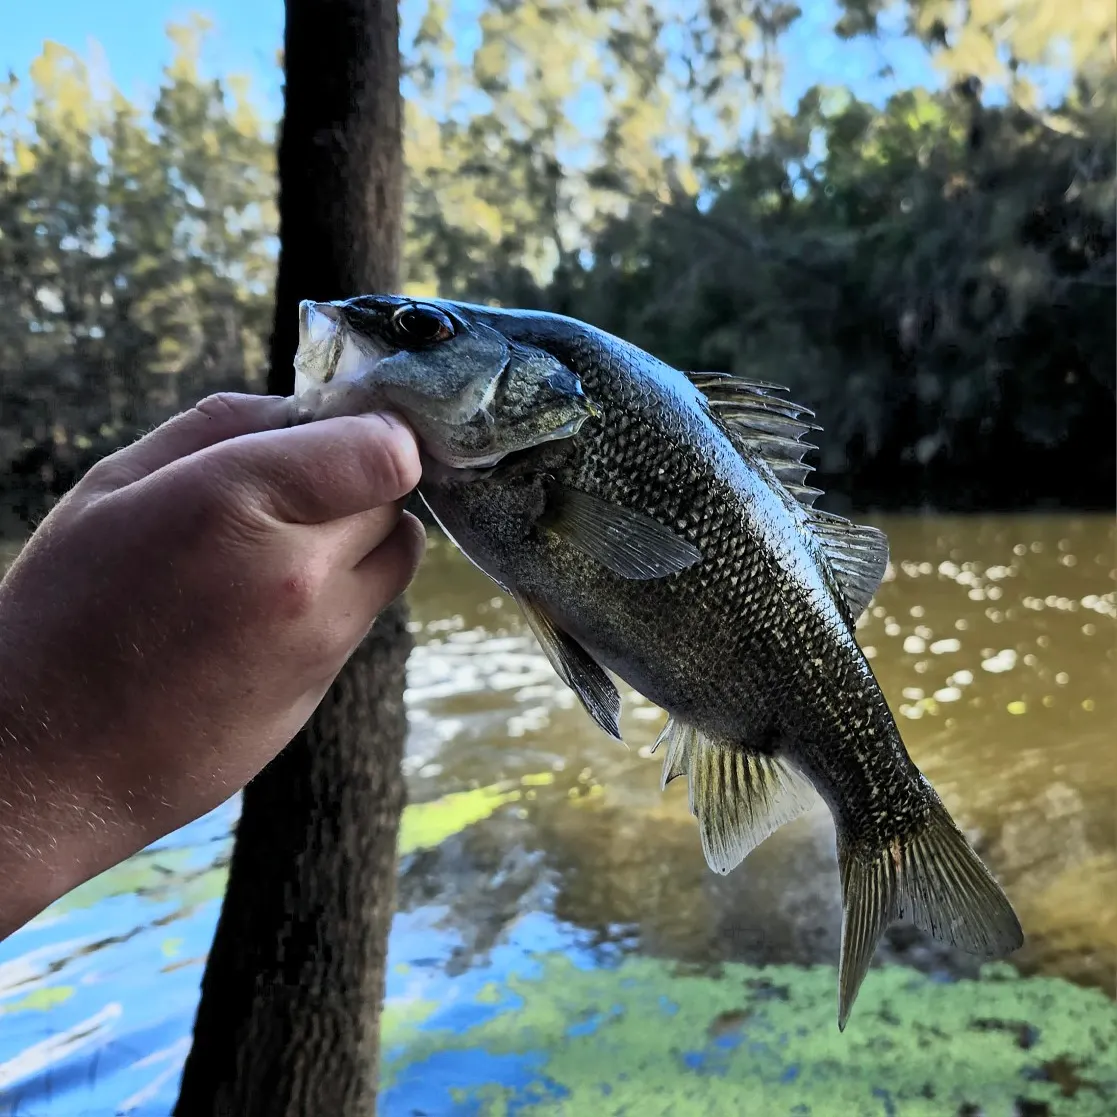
x: 657, y: 524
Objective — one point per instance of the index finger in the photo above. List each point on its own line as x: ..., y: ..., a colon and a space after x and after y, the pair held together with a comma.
x: 324, y: 470
x: 212, y: 420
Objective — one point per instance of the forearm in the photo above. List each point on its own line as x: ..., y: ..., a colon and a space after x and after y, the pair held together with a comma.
x: 175, y: 620
x: 38, y: 864
x: 59, y: 825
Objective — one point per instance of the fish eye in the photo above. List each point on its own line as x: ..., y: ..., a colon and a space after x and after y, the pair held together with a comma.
x: 422, y: 325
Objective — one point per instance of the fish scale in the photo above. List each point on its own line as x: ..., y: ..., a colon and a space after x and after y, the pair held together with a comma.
x: 622, y: 461
x: 660, y: 528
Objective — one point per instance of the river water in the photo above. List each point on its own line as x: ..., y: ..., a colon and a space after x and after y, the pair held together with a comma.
x: 536, y: 841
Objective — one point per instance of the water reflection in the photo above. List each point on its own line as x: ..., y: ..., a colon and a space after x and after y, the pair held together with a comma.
x: 993, y: 639
x: 97, y: 995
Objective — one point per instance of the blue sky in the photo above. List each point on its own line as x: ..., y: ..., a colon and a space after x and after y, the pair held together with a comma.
x: 132, y: 34
x: 247, y: 34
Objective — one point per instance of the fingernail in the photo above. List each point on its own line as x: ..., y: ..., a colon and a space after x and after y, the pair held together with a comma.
x: 297, y: 414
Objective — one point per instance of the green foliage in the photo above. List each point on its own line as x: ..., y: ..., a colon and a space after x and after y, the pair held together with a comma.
x: 561, y: 115
x: 933, y: 293
x: 135, y: 255
x: 935, y: 276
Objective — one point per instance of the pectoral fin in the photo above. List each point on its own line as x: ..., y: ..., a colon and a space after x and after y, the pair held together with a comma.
x: 576, y: 667
x: 739, y: 797
x: 628, y: 543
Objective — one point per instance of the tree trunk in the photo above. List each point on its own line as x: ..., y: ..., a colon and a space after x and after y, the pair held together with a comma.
x: 290, y: 1007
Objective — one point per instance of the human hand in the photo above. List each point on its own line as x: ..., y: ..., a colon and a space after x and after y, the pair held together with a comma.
x: 176, y: 619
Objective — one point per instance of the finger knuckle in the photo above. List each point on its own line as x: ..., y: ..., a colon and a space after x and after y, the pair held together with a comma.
x: 295, y: 593
x: 394, y: 564
x: 413, y: 543
x: 322, y: 647
x: 200, y: 500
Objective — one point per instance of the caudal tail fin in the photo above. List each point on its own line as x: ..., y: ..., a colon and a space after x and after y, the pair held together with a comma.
x: 933, y: 876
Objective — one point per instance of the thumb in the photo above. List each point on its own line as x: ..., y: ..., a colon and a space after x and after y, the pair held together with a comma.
x: 214, y: 419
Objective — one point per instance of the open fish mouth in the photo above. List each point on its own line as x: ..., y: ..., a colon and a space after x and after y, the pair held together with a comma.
x: 321, y: 342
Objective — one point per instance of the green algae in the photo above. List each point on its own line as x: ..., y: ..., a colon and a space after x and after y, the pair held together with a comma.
x: 169, y: 948
x: 541, y: 779
x: 145, y: 873
x: 150, y: 876
x: 400, y: 1021
x: 490, y: 994
x: 40, y: 1000
x: 426, y: 825
x: 641, y: 1039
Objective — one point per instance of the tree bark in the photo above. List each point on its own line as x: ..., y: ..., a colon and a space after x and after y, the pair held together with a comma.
x: 289, y: 1015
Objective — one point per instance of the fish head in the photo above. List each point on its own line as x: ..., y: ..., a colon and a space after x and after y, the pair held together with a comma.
x: 472, y: 395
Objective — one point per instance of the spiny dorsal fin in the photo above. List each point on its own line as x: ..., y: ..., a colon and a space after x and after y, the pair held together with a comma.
x: 770, y: 427
x: 858, y: 556
x: 739, y: 797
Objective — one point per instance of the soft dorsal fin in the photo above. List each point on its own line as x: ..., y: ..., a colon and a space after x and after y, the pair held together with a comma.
x: 770, y: 427
x: 858, y: 556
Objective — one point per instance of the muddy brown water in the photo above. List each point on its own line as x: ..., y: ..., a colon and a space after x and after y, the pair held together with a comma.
x: 994, y: 640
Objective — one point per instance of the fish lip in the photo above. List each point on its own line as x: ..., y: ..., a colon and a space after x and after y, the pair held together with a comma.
x: 307, y: 308
x: 460, y: 466
x: 299, y: 411
x: 320, y: 332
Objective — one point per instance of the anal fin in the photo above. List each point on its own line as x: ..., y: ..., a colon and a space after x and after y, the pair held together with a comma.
x: 740, y: 797
x: 576, y: 667
x: 681, y: 740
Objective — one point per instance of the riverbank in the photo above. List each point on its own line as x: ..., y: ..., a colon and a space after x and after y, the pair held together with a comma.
x: 1051, y: 482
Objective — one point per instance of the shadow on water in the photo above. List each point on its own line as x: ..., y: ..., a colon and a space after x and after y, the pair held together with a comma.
x: 560, y: 945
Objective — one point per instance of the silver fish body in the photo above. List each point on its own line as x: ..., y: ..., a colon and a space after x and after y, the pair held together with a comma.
x: 670, y: 539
